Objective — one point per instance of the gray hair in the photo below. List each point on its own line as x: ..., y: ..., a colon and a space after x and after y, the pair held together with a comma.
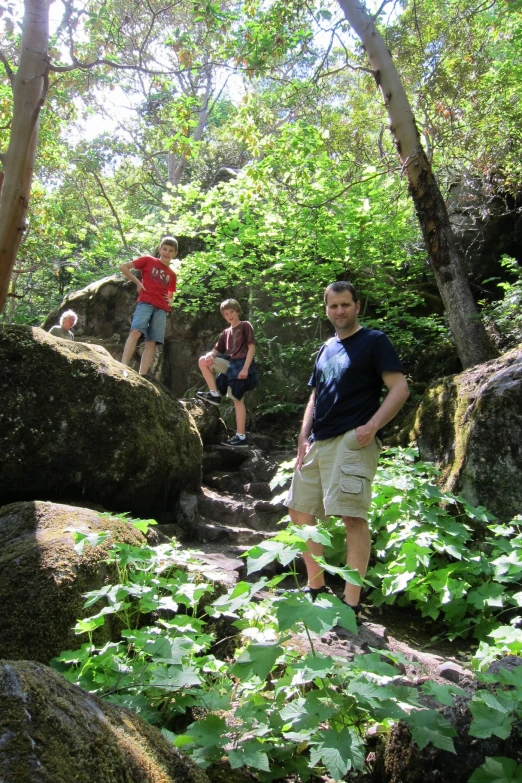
x: 67, y: 314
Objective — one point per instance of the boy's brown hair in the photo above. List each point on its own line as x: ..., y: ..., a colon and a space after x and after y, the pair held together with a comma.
x: 169, y: 241
x: 230, y: 304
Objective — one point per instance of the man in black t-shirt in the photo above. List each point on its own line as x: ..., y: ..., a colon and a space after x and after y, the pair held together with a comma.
x: 339, y: 443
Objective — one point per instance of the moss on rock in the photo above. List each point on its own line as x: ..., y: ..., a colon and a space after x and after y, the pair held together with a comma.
x: 74, y: 424
x: 42, y: 578
x: 53, y: 732
x: 470, y: 425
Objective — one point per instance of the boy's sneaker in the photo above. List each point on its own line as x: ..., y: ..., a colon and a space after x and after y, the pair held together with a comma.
x: 213, y: 399
x: 235, y: 440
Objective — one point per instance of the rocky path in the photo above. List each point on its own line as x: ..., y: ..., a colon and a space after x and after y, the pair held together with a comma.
x: 236, y: 510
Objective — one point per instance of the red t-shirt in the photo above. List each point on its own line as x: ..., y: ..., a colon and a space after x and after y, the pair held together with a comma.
x: 235, y: 340
x: 158, y: 279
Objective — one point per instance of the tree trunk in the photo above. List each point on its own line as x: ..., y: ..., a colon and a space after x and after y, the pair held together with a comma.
x: 29, y: 86
x: 177, y: 167
x: 471, y: 339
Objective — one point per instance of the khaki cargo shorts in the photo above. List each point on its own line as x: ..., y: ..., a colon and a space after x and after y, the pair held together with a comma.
x: 335, y: 478
x: 221, y: 365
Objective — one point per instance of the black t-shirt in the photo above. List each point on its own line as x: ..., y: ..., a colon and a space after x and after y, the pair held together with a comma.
x: 348, y: 381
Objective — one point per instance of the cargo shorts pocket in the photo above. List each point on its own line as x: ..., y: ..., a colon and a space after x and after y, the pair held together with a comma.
x: 350, y: 485
x: 352, y: 477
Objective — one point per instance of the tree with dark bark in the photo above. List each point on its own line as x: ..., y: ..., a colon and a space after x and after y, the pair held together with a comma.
x: 471, y: 339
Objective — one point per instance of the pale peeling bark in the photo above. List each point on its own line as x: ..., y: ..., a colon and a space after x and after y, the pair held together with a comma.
x: 177, y: 165
x: 29, y: 85
x: 471, y: 339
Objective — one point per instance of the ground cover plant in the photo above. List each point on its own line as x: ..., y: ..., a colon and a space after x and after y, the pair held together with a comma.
x: 218, y: 674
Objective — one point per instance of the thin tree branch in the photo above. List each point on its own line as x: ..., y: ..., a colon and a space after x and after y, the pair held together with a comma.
x: 344, y: 190
x: 112, y: 209
x: 383, y: 4
x: 8, y: 69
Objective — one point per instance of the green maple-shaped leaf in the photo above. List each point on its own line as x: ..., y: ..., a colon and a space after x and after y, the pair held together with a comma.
x: 256, y: 659
x: 443, y: 693
x: 488, y: 721
x: 498, y: 769
x: 263, y: 554
x: 334, y: 750
x: 207, y: 732
x: 430, y: 726
x: 249, y: 754
x: 173, y: 677
x: 319, y: 616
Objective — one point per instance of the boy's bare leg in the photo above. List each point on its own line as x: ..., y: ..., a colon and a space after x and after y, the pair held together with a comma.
x: 207, y: 374
x: 239, y: 405
x: 130, y: 346
x: 146, y: 357
x: 314, y: 571
x: 358, y: 546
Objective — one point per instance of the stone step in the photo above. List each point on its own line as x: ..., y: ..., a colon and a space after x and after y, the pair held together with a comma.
x: 209, y: 530
x: 229, y: 481
x: 231, y: 457
x: 229, y: 508
x: 225, y: 481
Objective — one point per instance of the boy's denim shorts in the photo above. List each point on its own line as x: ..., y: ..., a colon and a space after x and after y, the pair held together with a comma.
x: 150, y: 321
x: 335, y: 478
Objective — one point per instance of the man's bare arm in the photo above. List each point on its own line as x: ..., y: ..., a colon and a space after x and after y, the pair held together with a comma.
x: 306, y: 430
x: 398, y: 393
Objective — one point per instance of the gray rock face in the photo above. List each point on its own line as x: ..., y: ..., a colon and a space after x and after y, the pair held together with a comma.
x: 471, y: 425
x: 206, y: 417
x: 486, y: 223
x: 53, y: 732
x: 75, y: 425
x: 43, y: 579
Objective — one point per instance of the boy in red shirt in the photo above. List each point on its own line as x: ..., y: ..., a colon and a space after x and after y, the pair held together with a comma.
x: 231, y: 360
x: 157, y: 285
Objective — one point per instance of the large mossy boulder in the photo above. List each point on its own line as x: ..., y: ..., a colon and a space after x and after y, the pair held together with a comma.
x: 43, y: 579
x: 53, y: 732
x: 470, y: 425
x: 77, y: 425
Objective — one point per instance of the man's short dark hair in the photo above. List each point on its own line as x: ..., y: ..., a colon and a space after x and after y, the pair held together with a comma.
x: 338, y: 288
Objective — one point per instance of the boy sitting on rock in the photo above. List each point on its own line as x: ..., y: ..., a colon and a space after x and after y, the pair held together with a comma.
x: 231, y: 361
